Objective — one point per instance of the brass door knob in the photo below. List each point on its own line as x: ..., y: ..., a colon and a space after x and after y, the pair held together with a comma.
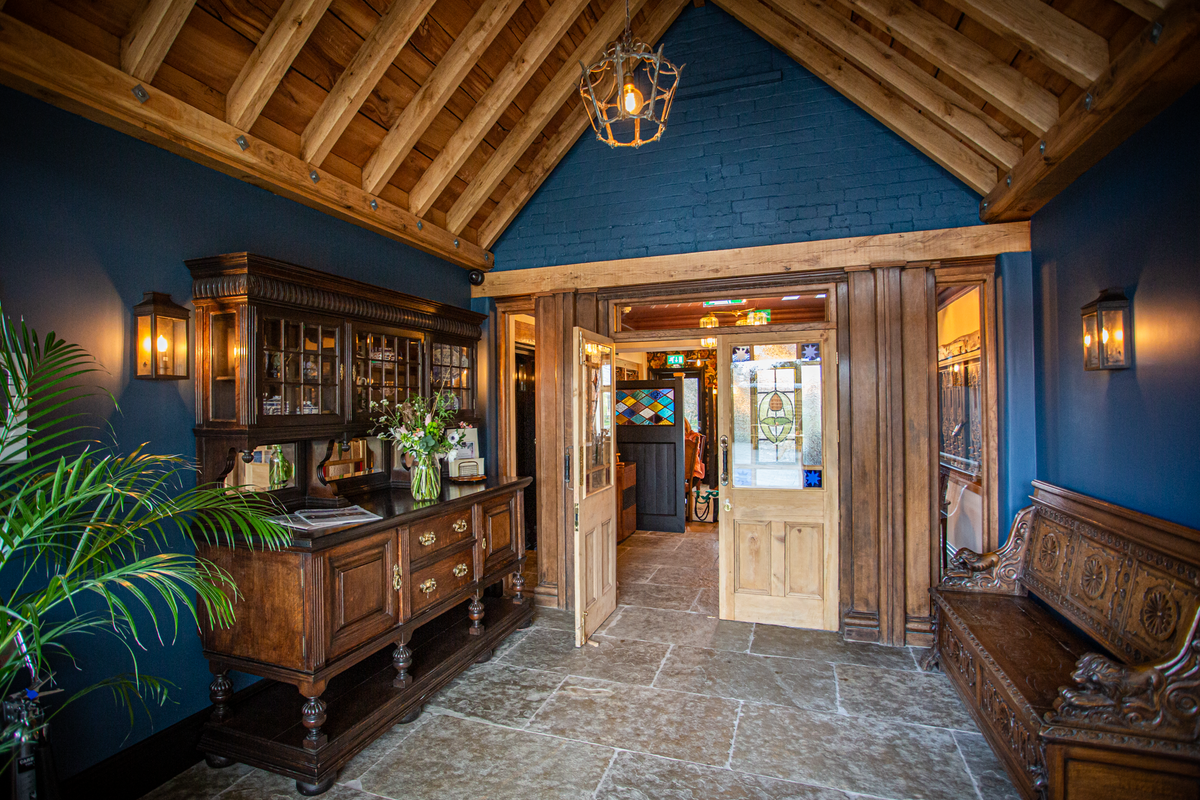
x: 397, y: 582
x: 460, y: 526
x: 427, y: 538
x: 428, y: 586
x: 460, y: 570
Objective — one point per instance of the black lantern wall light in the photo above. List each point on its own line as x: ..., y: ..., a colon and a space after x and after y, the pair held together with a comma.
x: 1107, y: 335
x: 162, y: 338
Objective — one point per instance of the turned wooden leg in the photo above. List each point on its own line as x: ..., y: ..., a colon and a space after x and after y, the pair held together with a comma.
x: 312, y: 716
x: 519, y: 584
x: 220, y: 692
x: 475, y: 612
x: 402, y: 660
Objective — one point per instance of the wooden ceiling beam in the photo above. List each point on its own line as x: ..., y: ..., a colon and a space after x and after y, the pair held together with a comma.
x: 561, y: 86
x: 861, y: 89
x: 42, y: 66
x: 924, y: 91
x: 1154, y: 71
x: 510, y: 80
x: 1059, y: 41
x: 151, y: 35
x: 287, y: 32
x: 556, y: 148
x: 1146, y: 9
x: 408, y: 128
x: 378, y: 51
x: 797, y: 258
x: 967, y: 62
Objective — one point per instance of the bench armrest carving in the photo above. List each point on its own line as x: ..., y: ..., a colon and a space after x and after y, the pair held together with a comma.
x: 1160, y: 699
x: 996, y: 571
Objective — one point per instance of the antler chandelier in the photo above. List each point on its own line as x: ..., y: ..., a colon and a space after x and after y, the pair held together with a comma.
x: 628, y: 92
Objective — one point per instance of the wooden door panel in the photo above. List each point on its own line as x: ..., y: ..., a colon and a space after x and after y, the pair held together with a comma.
x: 753, y: 556
x: 498, y: 529
x: 362, y: 599
x: 805, y: 559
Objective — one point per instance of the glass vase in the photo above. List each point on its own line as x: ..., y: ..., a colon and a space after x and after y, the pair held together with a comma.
x: 426, y: 477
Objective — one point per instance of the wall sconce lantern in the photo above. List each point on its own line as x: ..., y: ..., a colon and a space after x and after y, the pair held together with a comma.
x: 1106, y: 342
x: 162, y: 338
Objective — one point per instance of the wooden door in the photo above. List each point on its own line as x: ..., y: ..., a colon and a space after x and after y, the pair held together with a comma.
x: 650, y: 434
x: 362, y: 590
x: 592, y: 481
x: 777, y: 471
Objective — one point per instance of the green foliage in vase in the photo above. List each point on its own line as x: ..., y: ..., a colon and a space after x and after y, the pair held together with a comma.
x: 420, y: 426
x: 86, y: 533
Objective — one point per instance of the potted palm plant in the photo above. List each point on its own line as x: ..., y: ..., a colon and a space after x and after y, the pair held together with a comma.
x: 80, y: 520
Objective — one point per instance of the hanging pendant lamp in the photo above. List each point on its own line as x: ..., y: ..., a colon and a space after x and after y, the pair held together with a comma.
x: 628, y: 92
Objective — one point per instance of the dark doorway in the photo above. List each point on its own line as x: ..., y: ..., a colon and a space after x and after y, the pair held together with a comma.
x: 650, y: 434
x: 526, y: 425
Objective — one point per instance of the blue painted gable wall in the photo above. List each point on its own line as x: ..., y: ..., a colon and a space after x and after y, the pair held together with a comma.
x: 789, y: 161
x: 91, y: 218
x: 1131, y: 437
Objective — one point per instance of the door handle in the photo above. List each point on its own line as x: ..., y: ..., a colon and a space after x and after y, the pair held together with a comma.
x: 725, y: 461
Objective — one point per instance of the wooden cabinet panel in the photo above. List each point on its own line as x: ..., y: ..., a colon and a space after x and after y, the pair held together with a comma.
x: 362, y: 597
x: 430, y: 536
x: 499, y: 530
x: 441, y: 579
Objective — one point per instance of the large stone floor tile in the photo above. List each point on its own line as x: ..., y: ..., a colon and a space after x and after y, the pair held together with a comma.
x: 629, y: 571
x: 262, y: 785
x: 510, y: 641
x: 922, y: 698
x: 636, y: 776
x: 672, y: 724
x: 675, y: 598
x: 775, y: 640
x: 377, y: 750
x: 701, y: 557
x: 555, y: 651
x: 707, y: 603
x: 741, y: 676
x: 199, y: 781
x: 669, y: 575
x: 546, y: 617
x: 499, y: 693
x: 644, y: 541
x: 989, y: 774
x: 678, y: 627
x: 454, y: 759
x: 850, y: 753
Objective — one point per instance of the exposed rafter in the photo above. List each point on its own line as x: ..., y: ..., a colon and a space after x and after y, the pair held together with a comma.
x: 287, y: 32
x: 154, y: 30
x: 1061, y: 42
x: 529, y: 56
x: 378, y: 51
x: 877, y: 100
x: 1153, y: 72
x: 905, y: 78
x: 967, y: 62
x: 1146, y: 9
x: 432, y: 96
x: 561, y: 86
x: 38, y: 64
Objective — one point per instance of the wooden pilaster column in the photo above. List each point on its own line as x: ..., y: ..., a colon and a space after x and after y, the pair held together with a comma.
x: 549, y: 427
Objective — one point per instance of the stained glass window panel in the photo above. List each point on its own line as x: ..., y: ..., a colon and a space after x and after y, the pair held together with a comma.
x: 645, y: 406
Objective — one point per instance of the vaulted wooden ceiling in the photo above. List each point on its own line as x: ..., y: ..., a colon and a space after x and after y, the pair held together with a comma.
x: 435, y: 121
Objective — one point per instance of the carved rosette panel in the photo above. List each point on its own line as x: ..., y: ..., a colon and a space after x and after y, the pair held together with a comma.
x: 1022, y: 742
x: 954, y: 654
x: 992, y: 572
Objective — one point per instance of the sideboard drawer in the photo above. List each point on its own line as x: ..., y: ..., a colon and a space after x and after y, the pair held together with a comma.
x: 441, y: 579
x: 435, y: 534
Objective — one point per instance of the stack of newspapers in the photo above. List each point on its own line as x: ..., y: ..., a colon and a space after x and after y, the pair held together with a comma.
x: 316, y: 518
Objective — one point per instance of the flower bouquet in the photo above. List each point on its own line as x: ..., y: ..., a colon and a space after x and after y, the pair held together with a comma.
x: 421, y: 427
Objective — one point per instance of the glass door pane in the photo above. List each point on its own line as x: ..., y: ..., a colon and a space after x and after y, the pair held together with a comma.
x: 597, y: 373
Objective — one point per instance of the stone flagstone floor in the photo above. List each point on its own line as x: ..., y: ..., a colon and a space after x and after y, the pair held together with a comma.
x: 667, y: 703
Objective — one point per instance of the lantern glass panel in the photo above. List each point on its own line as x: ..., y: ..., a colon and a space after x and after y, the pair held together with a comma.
x: 145, y: 339
x: 1091, y: 342
x: 1112, y: 336
x: 173, y: 347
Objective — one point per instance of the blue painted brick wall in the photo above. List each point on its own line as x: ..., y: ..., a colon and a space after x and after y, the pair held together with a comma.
x: 786, y: 162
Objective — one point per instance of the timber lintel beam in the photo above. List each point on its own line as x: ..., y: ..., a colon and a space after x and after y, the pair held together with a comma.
x: 151, y: 35
x: 1155, y: 70
x: 42, y: 66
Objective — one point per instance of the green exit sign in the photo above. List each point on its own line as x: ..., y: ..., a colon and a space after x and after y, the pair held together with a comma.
x: 675, y: 360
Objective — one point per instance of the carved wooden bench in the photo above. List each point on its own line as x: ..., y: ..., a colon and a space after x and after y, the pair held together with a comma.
x: 1109, y: 705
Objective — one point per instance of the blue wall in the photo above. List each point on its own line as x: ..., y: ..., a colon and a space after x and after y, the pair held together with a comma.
x: 789, y: 161
x: 1018, y: 439
x: 1131, y: 437
x: 89, y: 220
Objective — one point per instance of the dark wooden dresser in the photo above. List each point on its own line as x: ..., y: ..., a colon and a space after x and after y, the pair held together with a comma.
x: 358, y: 626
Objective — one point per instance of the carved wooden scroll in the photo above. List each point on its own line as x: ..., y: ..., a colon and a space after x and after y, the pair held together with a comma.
x: 995, y: 572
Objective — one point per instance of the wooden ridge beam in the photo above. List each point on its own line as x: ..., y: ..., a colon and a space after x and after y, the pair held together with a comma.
x: 408, y: 128
x: 378, y: 51
x: 554, y: 150
x: 946, y: 244
x: 905, y: 78
x: 1059, y: 41
x: 42, y: 66
x: 964, y: 60
x: 859, y: 88
x: 511, y: 79
x: 151, y: 35
x: 1146, y: 9
x: 287, y: 32
x: 539, y: 114
x: 1154, y: 71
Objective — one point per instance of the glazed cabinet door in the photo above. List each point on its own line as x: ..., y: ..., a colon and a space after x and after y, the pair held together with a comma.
x: 500, y: 538
x: 362, y: 591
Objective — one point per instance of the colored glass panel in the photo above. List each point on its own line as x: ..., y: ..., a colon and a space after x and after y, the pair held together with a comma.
x: 645, y: 406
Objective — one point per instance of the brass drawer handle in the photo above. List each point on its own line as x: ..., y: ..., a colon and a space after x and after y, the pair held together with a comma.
x: 427, y: 538
x: 428, y: 586
x: 397, y: 582
x: 460, y: 570
x: 460, y: 526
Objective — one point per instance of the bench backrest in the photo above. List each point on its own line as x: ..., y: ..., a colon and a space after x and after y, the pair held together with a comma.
x: 1129, y: 580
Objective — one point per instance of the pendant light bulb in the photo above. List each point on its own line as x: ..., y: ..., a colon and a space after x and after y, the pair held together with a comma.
x: 632, y: 98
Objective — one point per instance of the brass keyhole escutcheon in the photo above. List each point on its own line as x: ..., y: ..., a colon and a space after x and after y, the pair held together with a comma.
x: 460, y: 526
x: 460, y: 570
x: 428, y: 586
x: 397, y: 582
x: 427, y: 538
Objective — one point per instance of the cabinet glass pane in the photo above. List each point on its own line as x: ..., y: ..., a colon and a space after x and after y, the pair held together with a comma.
x: 386, y: 366
x: 223, y: 382
x: 272, y: 466
x: 451, y: 372
x: 300, y: 361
